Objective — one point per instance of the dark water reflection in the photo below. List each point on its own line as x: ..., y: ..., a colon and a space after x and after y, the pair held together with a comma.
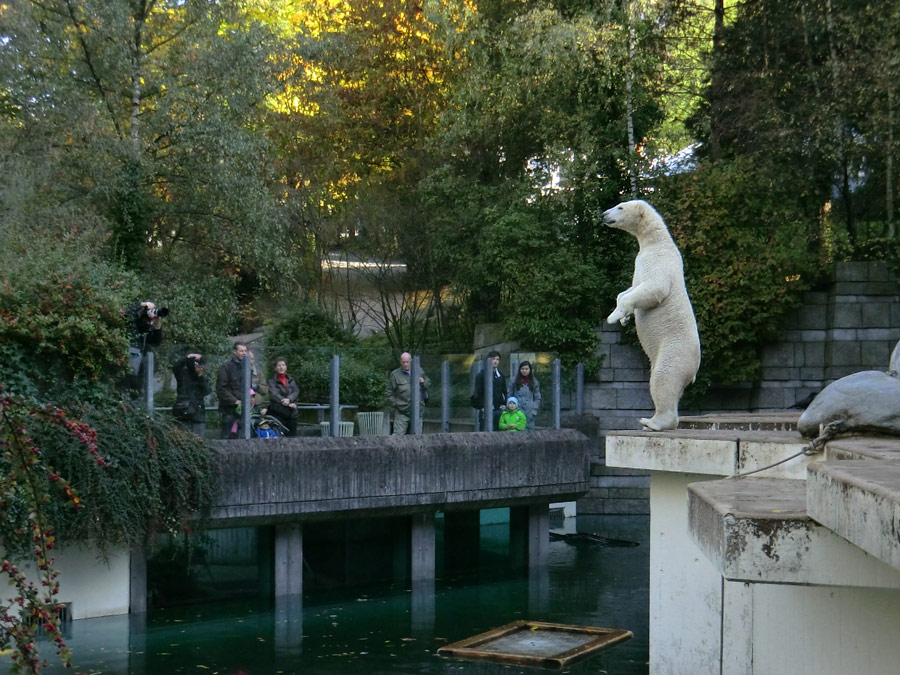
x: 387, y: 630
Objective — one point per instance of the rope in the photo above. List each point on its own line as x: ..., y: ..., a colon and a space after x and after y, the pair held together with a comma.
x: 808, y: 450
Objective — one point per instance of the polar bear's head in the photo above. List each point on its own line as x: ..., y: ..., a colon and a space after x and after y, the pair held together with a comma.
x: 634, y: 217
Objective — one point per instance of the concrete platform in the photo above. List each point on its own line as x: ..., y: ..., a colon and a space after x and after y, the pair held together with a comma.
x: 860, y: 501
x: 708, y: 451
x: 757, y: 530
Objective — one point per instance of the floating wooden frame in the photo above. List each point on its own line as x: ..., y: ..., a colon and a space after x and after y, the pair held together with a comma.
x: 536, y: 644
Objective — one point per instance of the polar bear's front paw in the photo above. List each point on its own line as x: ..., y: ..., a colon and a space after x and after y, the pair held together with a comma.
x: 618, y: 316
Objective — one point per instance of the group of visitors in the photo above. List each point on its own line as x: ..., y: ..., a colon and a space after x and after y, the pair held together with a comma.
x: 514, y: 408
x: 193, y: 386
x: 514, y: 404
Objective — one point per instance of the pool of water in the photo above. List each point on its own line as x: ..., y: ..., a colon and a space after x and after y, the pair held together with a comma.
x: 385, y: 629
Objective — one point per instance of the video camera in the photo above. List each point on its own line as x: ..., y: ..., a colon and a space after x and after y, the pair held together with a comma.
x: 152, y: 313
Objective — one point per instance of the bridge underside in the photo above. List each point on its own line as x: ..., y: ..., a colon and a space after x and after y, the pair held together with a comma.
x: 283, y: 483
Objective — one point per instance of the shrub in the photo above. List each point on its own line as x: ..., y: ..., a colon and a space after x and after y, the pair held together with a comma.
x: 746, y: 260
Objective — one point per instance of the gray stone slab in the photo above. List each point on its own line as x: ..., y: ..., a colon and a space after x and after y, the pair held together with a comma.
x: 758, y: 530
x: 851, y: 271
x: 876, y: 315
x: 843, y: 353
x: 860, y: 448
x: 846, y: 316
x: 860, y: 501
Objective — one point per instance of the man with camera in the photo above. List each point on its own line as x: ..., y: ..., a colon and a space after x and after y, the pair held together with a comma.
x: 145, y: 326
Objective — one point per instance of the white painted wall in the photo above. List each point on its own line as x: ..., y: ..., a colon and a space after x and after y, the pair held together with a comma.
x: 685, y: 587
x: 92, y: 586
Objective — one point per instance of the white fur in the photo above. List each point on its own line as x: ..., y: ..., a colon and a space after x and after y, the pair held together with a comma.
x: 662, y: 311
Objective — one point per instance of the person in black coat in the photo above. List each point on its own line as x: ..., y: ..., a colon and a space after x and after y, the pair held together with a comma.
x: 283, y: 393
x: 229, y: 384
x: 499, y: 391
x: 192, y: 387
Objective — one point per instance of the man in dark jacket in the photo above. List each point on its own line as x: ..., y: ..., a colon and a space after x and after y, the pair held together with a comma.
x: 193, y: 386
x: 228, y: 389
x: 499, y: 391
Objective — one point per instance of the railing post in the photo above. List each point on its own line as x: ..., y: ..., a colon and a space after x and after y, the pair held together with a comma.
x: 473, y: 375
x: 557, y: 393
x: 415, y: 396
x: 245, y: 395
x: 149, y: 364
x: 335, y: 395
x: 488, y: 374
x: 445, y: 396
x: 579, y: 389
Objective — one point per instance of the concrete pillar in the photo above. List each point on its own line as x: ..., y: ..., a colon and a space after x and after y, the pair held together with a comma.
x: 422, y: 546
x: 462, y: 540
x: 422, y: 608
x: 288, y: 559
x: 529, y: 535
x: 288, y: 629
x: 137, y: 582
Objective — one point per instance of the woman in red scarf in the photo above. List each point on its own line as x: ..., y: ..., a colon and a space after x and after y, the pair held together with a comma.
x: 283, y: 393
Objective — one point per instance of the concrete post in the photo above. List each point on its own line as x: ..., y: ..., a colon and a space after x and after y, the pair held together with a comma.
x: 137, y: 581
x: 473, y: 373
x: 335, y: 395
x: 415, y: 396
x: 288, y: 559
x: 422, y: 546
x: 149, y: 365
x: 556, y: 383
x: 488, y: 374
x: 445, y: 397
x: 579, y: 389
x: 245, y: 396
x: 422, y: 608
x: 529, y: 535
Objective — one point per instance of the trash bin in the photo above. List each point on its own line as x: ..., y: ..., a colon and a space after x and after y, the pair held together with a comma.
x: 346, y: 428
x: 370, y: 423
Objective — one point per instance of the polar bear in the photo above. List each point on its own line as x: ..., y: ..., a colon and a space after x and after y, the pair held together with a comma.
x: 662, y: 310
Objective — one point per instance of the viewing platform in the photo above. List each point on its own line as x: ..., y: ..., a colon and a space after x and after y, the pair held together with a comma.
x: 792, y: 568
x: 280, y: 484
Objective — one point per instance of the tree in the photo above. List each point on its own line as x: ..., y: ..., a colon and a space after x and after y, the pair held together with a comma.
x: 148, y: 113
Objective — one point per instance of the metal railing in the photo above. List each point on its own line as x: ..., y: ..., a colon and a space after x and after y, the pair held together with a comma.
x: 450, y: 391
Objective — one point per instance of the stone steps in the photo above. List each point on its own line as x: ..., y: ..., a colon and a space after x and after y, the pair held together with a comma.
x: 758, y: 530
x: 860, y: 501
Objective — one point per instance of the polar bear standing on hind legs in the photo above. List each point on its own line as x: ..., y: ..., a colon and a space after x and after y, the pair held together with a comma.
x: 662, y: 310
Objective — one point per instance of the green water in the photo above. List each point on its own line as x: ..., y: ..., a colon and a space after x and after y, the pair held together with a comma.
x: 385, y: 629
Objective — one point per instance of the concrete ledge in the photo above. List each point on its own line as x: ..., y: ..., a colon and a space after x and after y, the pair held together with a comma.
x: 712, y: 452
x: 860, y: 501
x: 290, y: 479
x: 863, y: 448
x: 783, y: 421
x: 756, y: 530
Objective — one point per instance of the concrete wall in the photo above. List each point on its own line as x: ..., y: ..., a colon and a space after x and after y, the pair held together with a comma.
x: 849, y: 326
x: 293, y: 479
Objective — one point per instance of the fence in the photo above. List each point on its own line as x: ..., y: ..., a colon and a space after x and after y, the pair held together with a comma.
x: 340, y: 388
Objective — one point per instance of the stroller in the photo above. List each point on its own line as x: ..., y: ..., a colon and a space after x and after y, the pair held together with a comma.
x: 266, y: 426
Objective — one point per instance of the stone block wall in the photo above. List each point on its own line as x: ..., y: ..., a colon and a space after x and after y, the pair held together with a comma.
x: 851, y: 325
